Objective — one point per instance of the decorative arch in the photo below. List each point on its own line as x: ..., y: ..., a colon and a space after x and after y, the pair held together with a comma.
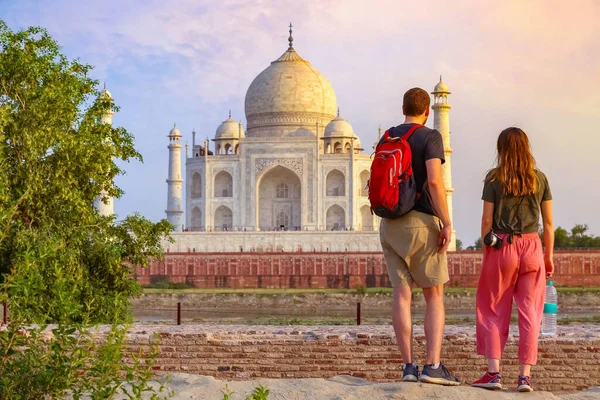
x: 237, y: 148
x: 328, y: 148
x: 335, y: 183
x: 196, y: 219
x: 218, y: 148
x: 223, y: 218
x: 366, y: 218
x: 336, y: 218
x: 347, y: 147
x: 223, y: 184
x: 227, y: 148
x: 196, y: 186
x: 279, y: 191
x: 364, y: 180
x: 337, y: 148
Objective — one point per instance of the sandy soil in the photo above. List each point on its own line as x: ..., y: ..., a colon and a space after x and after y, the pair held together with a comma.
x: 349, y: 388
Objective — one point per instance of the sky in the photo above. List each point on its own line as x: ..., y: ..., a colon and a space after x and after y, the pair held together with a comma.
x: 533, y: 64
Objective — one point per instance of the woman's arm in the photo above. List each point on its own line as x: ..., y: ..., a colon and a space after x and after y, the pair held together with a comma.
x: 548, y: 237
x: 487, y: 219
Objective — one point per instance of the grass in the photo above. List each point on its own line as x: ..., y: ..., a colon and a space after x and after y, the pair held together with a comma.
x: 182, y: 289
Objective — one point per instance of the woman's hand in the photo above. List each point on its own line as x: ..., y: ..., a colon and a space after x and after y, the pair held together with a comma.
x: 549, y: 263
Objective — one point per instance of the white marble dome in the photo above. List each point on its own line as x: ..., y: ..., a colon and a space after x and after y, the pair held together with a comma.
x: 339, y: 127
x: 229, y: 129
x: 441, y: 87
x: 174, y: 131
x: 289, y: 98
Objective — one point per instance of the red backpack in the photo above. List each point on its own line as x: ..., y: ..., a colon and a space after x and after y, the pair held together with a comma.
x: 392, y: 187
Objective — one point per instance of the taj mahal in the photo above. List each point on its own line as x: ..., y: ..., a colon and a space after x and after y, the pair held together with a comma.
x: 293, y: 179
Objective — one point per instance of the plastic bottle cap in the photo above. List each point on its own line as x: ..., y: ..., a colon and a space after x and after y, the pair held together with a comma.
x: 550, y: 283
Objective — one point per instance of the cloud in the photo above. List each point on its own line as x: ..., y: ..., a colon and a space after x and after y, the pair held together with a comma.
x: 531, y: 63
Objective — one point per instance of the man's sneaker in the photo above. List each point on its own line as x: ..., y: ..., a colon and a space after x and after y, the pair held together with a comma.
x: 488, y: 381
x: 524, y: 384
x: 439, y: 376
x: 410, y: 373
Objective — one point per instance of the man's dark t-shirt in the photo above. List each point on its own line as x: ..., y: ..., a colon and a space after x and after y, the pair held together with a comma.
x: 514, y: 214
x: 425, y: 144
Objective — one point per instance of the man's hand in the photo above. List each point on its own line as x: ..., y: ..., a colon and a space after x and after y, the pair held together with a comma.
x: 549, y: 263
x: 444, y: 239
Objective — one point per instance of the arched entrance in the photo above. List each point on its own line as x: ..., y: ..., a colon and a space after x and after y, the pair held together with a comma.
x: 366, y: 218
x: 279, y: 200
x: 335, y: 218
x: 223, y: 218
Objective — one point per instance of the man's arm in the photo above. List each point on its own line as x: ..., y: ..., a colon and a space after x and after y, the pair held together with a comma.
x: 437, y: 191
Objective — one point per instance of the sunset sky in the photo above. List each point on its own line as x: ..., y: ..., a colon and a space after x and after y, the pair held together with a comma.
x: 533, y: 64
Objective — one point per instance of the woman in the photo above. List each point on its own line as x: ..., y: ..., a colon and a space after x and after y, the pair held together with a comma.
x: 514, y: 264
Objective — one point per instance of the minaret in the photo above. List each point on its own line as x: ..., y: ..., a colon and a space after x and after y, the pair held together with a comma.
x: 174, y: 181
x: 441, y: 122
x: 108, y: 208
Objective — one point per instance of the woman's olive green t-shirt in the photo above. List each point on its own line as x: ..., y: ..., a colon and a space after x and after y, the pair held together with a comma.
x: 516, y: 214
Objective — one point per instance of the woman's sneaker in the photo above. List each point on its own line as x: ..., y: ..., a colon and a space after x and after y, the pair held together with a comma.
x: 439, y: 376
x: 524, y: 384
x: 489, y: 381
x: 410, y: 373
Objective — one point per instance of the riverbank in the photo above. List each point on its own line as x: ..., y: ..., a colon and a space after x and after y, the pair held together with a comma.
x: 326, y: 307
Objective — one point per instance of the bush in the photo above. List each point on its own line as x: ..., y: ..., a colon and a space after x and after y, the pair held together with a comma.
x: 43, y: 362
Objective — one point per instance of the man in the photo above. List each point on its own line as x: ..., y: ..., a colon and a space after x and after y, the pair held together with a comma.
x: 415, y: 245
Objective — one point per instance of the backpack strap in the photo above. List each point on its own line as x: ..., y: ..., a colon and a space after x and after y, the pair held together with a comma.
x: 386, y: 135
x: 411, y: 131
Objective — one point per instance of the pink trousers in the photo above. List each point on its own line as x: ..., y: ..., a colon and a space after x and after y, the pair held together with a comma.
x: 516, y: 270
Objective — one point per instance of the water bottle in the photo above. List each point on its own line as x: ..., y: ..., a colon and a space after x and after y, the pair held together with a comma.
x: 550, y: 308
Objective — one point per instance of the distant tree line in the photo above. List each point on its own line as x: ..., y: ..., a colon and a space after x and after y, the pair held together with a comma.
x: 576, y: 238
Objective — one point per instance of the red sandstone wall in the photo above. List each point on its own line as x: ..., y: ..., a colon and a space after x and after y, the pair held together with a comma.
x: 563, y: 364
x: 335, y: 270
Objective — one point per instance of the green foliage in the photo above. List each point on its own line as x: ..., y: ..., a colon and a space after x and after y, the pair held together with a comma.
x: 459, y: 245
x: 260, y: 393
x: 69, y: 361
x: 227, y: 393
x: 56, y: 155
x: 61, y: 262
x: 576, y: 239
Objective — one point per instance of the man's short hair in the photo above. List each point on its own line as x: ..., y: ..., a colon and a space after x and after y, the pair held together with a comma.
x: 415, y: 102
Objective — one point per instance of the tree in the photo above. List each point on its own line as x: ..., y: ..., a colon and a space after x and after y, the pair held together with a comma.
x: 459, y: 245
x: 55, y: 157
x: 561, y: 238
x: 478, y: 244
x: 60, y: 261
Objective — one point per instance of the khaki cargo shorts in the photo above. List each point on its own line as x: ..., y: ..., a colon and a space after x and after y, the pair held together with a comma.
x: 410, y: 247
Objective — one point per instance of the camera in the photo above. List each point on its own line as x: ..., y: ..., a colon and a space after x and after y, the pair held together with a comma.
x: 493, y: 240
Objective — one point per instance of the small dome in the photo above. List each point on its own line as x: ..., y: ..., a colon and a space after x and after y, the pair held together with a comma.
x: 441, y: 87
x: 230, y: 129
x: 338, y: 127
x: 174, y: 131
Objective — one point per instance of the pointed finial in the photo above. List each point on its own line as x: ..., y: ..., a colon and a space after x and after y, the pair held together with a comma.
x: 379, y: 131
x: 291, y: 39
x: 229, y: 114
x: 194, y: 131
x: 440, y: 78
x: 104, y: 85
x: 338, y: 114
x: 174, y: 124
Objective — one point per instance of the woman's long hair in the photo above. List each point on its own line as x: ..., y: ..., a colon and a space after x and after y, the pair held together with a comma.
x: 515, y: 165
